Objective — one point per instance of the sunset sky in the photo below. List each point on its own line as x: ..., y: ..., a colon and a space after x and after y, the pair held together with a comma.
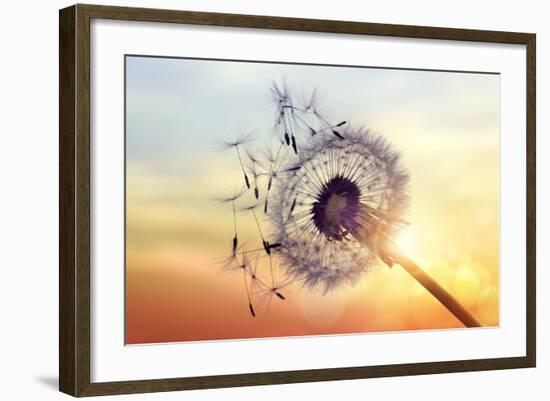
x: 444, y: 124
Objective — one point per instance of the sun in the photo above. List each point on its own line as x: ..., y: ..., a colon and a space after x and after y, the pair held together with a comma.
x: 406, y: 239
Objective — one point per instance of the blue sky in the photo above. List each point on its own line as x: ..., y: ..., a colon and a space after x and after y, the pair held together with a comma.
x: 177, y: 109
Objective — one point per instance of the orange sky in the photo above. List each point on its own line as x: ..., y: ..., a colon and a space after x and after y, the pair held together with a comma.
x: 177, y: 291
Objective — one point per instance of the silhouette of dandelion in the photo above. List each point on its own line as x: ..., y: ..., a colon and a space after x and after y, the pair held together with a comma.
x: 333, y: 199
x: 345, y: 191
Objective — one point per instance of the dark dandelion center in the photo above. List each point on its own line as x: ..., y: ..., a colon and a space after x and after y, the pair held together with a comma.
x: 336, y: 210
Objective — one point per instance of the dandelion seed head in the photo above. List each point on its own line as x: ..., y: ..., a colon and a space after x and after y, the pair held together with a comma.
x: 329, y: 214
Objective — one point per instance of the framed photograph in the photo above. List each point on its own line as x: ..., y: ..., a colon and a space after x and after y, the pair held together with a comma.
x: 250, y: 200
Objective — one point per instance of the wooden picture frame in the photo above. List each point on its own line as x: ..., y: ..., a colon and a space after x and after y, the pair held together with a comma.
x: 74, y: 199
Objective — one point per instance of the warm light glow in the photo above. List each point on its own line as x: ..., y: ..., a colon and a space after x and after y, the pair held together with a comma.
x: 406, y: 240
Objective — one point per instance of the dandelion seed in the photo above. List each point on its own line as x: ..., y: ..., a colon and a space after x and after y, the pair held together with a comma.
x: 337, y: 134
x: 264, y: 293
x: 229, y: 197
x: 294, y: 146
x: 238, y: 140
x: 249, y: 208
x: 266, y: 247
x: 251, y: 310
x: 232, y: 198
x: 236, y: 144
x: 235, y: 243
x: 313, y: 100
x: 244, y: 266
x: 232, y: 263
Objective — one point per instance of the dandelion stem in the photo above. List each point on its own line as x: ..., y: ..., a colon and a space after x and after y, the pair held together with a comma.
x: 440, y: 293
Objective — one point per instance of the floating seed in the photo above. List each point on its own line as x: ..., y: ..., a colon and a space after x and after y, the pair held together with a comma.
x: 337, y: 134
x: 235, y: 242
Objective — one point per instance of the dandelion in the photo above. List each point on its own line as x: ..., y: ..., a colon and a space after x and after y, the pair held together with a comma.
x: 339, y: 199
x: 329, y: 212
